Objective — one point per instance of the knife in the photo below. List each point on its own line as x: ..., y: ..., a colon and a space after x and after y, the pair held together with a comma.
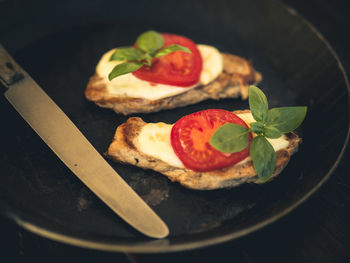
x: 70, y: 145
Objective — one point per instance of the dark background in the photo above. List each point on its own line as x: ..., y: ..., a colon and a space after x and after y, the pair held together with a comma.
x: 317, y: 231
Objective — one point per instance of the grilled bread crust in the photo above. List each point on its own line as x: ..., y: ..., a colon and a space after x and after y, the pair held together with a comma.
x: 233, y: 82
x: 124, y: 149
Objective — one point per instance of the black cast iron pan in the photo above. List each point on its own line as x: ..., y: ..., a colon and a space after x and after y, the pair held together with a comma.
x: 60, y: 43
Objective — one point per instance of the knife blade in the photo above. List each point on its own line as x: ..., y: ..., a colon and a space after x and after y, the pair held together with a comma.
x: 76, y: 152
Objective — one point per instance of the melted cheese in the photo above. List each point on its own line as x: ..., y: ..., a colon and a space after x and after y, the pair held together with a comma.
x: 154, y: 140
x: 129, y: 86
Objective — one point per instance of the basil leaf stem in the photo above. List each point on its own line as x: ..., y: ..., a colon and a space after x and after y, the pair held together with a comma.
x: 257, y: 127
x: 148, y: 60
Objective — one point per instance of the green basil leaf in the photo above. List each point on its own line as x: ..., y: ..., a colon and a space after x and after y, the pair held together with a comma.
x: 124, y: 68
x: 257, y: 127
x: 258, y: 104
x: 286, y: 119
x: 127, y: 54
x: 169, y: 49
x: 263, y: 156
x: 272, y: 132
x: 230, y: 138
x: 150, y: 41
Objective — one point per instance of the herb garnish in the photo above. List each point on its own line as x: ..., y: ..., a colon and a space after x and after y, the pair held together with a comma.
x: 271, y: 123
x: 148, y: 46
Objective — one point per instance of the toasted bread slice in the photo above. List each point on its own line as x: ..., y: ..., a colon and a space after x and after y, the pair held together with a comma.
x: 124, y: 148
x: 238, y: 74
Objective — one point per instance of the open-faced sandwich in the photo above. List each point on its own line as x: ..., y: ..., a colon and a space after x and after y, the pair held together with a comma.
x: 165, y: 71
x: 214, y: 148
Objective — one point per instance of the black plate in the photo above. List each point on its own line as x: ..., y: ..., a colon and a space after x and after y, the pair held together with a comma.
x: 298, y: 67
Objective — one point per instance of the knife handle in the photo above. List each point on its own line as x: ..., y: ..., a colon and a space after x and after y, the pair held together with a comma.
x: 10, y: 72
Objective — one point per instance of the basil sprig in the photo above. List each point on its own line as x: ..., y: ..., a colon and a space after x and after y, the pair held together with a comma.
x: 149, y: 45
x: 270, y: 123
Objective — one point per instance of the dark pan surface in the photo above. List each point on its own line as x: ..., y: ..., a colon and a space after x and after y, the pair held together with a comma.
x: 298, y: 68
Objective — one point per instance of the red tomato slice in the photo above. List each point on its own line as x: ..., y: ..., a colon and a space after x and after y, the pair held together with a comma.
x: 190, y: 138
x: 178, y: 68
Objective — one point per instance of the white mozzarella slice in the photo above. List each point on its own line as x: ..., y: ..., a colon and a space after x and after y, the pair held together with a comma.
x: 154, y: 140
x: 212, y: 63
x: 129, y: 86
